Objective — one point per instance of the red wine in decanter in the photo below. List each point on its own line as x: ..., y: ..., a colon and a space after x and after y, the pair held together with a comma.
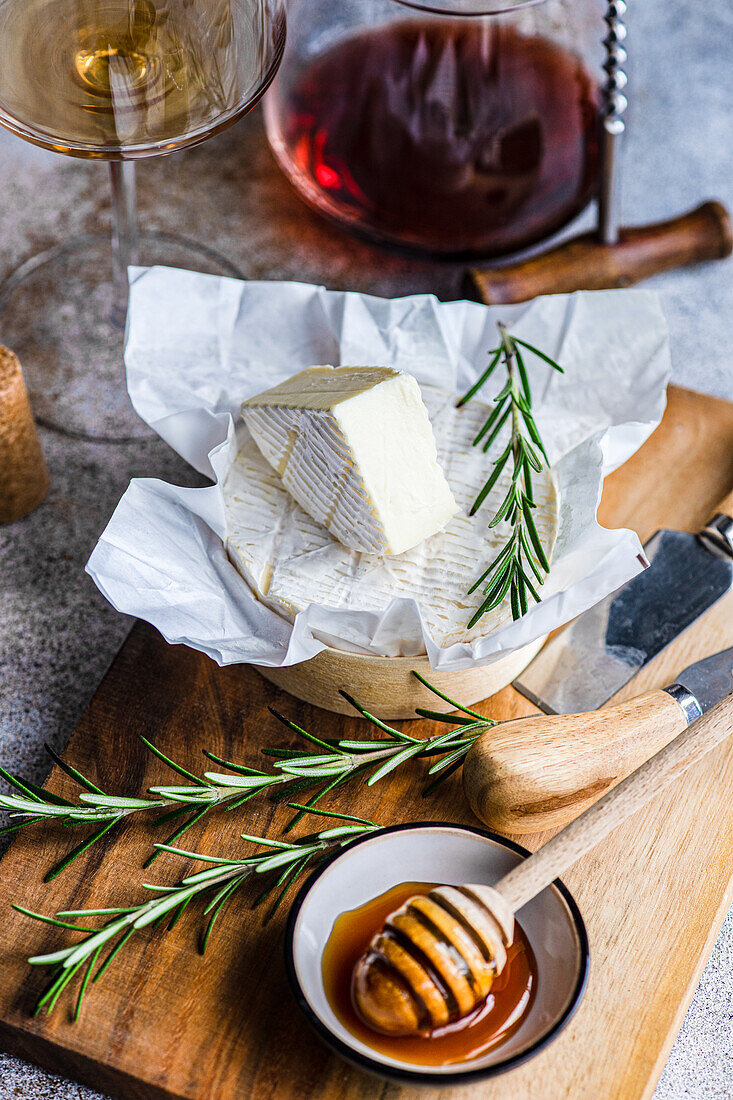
x: 449, y: 136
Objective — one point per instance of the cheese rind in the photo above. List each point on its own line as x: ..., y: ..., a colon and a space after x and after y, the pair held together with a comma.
x: 290, y: 561
x: 355, y: 447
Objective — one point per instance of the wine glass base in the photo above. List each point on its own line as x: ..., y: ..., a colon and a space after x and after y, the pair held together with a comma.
x: 56, y: 315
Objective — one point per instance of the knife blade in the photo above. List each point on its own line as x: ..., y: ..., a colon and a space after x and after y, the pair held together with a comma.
x: 584, y: 665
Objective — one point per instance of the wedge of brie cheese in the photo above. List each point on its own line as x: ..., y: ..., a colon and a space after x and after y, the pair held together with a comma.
x: 290, y: 561
x: 355, y: 447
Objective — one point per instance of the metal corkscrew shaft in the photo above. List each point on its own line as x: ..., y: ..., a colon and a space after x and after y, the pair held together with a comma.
x: 613, y: 106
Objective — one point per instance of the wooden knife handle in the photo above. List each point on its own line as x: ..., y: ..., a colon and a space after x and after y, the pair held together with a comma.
x: 583, y: 263
x: 538, y: 773
x: 569, y: 845
x: 725, y: 508
x: 717, y: 534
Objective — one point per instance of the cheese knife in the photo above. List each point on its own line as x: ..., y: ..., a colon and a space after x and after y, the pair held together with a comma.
x: 584, y: 665
x: 538, y: 773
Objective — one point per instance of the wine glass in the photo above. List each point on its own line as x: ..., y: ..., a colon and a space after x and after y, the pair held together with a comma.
x: 115, y: 80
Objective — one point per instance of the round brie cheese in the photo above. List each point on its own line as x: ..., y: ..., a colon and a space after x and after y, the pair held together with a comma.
x: 290, y: 561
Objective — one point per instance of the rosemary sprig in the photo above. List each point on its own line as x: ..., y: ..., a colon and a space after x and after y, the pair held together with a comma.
x: 285, y: 861
x: 32, y: 804
x: 522, y: 562
x: 324, y: 764
x: 345, y: 758
x: 297, y: 771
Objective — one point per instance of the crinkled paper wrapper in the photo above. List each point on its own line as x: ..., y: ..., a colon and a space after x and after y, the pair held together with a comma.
x: 197, y: 345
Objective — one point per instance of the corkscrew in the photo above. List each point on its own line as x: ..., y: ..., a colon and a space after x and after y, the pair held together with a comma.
x: 612, y: 256
x: 614, y: 104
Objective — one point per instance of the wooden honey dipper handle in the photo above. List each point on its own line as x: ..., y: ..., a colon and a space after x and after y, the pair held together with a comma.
x: 531, y: 876
x: 23, y: 475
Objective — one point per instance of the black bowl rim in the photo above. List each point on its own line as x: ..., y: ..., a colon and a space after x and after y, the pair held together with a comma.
x: 416, y: 1076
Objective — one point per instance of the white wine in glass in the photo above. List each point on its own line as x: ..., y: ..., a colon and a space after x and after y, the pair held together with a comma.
x: 115, y: 80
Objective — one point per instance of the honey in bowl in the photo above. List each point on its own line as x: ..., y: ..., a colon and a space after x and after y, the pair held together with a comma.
x: 491, y: 1024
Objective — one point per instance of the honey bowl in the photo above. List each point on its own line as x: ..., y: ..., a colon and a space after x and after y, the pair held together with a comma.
x: 551, y: 930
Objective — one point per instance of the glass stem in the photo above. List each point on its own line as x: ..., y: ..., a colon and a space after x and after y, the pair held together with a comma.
x: 124, y: 234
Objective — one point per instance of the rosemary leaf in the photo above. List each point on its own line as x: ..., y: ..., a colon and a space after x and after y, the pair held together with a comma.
x: 333, y: 813
x: 51, y: 920
x: 85, y: 983
x: 496, y: 353
x: 72, y: 772
x: 494, y: 415
x: 223, y: 897
x: 218, y: 779
x: 178, y: 913
x: 530, y: 586
x: 523, y: 377
x: 398, y: 735
x: 20, y: 825
x: 303, y: 810
x: 174, y: 836
x: 297, y: 729
x: 293, y: 786
x: 392, y: 763
x: 446, y: 774
x: 442, y: 716
x: 171, y: 763
x: 534, y: 538
x: 447, y: 699
x: 497, y: 428
x: 117, y: 947
x: 79, y: 849
x: 280, y: 860
x: 238, y: 768
x: 287, y: 882
x: 492, y: 480
x: 539, y: 354
x: 19, y: 785
x: 504, y: 555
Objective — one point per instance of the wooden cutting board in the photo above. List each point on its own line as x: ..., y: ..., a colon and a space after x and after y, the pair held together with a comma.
x: 165, y: 1023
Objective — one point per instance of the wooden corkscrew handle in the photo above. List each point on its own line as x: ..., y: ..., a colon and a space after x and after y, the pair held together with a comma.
x: 531, y: 876
x: 584, y: 263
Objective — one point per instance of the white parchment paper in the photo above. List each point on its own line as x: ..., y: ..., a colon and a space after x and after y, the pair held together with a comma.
x: 197, y: 345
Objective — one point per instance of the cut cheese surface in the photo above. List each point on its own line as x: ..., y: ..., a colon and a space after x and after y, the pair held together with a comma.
x: 354, y: 446
x: 291, y: 561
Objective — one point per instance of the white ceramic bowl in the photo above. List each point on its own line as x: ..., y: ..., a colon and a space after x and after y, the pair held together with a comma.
x: 445, y: 853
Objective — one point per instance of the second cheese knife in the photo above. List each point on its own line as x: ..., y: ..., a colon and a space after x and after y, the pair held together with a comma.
x: 537, y: 773
x: 593, y: 658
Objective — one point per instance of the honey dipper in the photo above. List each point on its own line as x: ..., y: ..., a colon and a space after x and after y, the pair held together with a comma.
x: 436, y: 957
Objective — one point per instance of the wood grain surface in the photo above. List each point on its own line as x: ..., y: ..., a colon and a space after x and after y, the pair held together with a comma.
x: 165, y: 1023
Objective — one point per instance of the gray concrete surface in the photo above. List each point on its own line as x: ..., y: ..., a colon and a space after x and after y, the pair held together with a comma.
x: 57, y: 635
